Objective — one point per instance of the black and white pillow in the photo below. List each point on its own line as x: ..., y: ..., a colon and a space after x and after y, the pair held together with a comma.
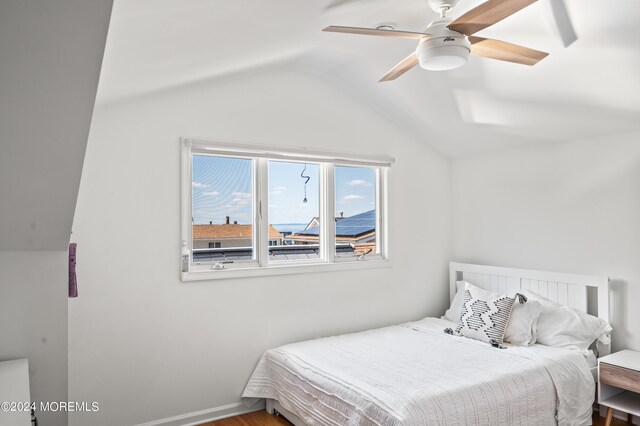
x: 485, y: 315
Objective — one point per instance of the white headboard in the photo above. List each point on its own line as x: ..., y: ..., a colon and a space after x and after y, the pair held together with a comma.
x: 565, y: 289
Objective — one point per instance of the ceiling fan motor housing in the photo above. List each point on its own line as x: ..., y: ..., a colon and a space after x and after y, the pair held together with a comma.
x: 445, y: 49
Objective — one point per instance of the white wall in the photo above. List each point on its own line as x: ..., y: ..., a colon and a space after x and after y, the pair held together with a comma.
x: 51, y: 52
x: 33, y: 323
x: 147, y: 346
x: 572, y: 207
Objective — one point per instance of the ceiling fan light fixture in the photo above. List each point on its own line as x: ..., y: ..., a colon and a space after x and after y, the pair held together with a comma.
x: 443, y: 53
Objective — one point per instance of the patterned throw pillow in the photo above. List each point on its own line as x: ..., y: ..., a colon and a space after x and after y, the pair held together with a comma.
x: 485, y: 315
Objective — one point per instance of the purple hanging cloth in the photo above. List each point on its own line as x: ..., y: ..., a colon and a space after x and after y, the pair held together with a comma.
x: 73, y: 281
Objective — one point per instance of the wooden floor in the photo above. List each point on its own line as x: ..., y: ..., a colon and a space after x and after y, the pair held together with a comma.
x: 262, y: 418
x: 257, y: 418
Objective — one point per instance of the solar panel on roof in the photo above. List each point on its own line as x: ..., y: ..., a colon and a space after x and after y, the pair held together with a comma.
x: 311, y: 231
x: 352, y: 231
x: 350, y: 226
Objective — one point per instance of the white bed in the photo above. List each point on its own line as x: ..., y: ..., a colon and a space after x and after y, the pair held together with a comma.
x: 414, y: 374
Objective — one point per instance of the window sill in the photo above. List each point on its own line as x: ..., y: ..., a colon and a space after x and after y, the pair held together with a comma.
x: 284, y: 270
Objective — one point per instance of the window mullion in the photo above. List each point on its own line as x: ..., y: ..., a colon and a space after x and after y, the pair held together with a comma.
x: 262, y: 211
x: 328, y: 228
x: 186, y: 195
x: 382, y: 237
x: 379, y: 217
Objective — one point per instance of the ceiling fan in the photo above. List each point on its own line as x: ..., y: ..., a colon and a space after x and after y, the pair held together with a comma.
x: 446, y: 44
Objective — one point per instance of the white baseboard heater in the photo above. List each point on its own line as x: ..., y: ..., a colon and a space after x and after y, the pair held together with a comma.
x: 14, y: 393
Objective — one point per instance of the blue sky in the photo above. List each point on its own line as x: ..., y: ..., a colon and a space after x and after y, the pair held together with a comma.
x: 223, y: 187
x: 286, y: 192
x: 355, y: 190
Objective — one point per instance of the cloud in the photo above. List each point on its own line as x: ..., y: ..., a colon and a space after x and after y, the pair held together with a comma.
x: 199, y: 185
x: 278, y: 190
x: 212, y: 193
x: 359, y: 182
x: 242, y: 198
x: 243, y: 195
x: 353, y: 197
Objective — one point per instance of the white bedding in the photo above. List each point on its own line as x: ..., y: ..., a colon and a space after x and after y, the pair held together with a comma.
x: 414, y: 375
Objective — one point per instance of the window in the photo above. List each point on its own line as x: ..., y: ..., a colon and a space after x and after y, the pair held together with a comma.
x: 356, y: 215
x: 294, y: 210
x: 222, y: 199
x: 252, y: 211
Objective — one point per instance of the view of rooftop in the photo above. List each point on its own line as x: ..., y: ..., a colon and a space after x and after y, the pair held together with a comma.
x: 232, y: 241
x: 223, y: 209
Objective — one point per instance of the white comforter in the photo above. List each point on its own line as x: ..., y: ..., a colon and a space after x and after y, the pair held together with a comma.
x: 416, y: 375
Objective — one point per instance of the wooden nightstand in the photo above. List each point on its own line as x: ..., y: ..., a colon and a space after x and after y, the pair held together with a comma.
x: 619, y: 383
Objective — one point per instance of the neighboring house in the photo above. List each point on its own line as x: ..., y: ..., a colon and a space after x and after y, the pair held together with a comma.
x: 229, y: 235
x: 315, y: 222
x: 358, y: 231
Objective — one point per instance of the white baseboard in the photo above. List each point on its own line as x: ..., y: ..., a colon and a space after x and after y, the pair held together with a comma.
x: 208, y: 415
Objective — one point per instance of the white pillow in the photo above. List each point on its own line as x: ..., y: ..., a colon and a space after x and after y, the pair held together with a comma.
x: 563, y: 327
x: 453, y: 313
x: 522, y: 327
x: 485, y: 315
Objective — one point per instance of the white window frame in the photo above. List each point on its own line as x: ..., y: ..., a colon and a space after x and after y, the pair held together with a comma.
x: 255, y: 238
x: 261, y: 155
x: 381, y: 214
x: 321, y: 177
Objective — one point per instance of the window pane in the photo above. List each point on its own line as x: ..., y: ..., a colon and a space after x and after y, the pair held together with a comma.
x: 355, y: 211
x: 294, y: 211
x: 222, y: 209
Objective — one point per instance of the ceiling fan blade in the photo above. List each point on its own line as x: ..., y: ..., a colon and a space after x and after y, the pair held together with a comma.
x: 487, y: 14
x: 336, y: 4
x: 563, y: 22
x: 405, y: 65
x: 375, y: 32
x: 503, y: 51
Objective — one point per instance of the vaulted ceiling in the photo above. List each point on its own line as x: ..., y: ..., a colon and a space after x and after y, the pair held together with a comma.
x: 585, y: 90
